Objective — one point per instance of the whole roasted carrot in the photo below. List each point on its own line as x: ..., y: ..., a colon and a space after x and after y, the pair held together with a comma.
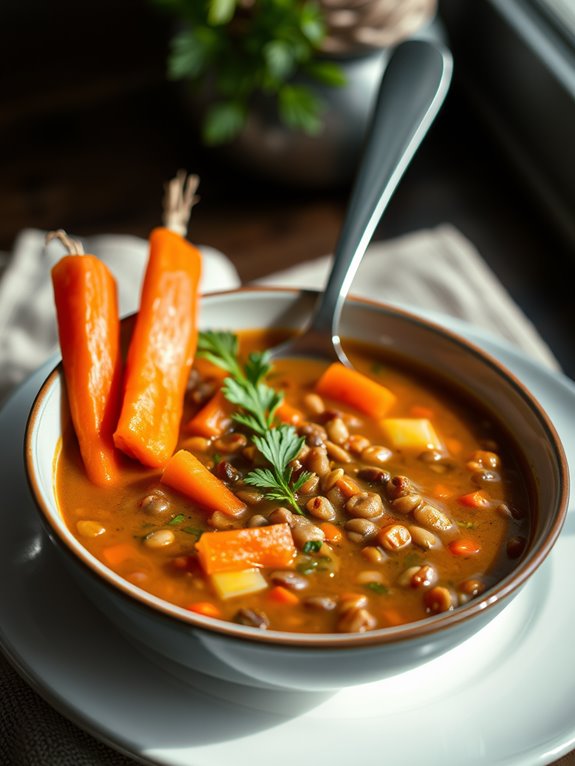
x: 165, y: 335
x: 89, y: 333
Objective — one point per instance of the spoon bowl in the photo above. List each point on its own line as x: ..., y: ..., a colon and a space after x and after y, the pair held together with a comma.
x: 413, y: 88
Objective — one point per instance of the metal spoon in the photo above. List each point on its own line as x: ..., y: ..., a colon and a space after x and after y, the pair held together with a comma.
x: 412, y: 90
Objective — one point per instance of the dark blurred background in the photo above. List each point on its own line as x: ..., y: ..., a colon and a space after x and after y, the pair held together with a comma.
x: 90, y: 128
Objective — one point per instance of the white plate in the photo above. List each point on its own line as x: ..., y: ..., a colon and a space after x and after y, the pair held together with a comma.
x: 506, y: 696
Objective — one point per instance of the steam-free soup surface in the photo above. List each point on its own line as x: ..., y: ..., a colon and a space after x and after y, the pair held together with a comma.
x: 402, y: 516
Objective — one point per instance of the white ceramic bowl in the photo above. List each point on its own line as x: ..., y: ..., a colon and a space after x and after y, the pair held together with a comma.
x: 274, y: 659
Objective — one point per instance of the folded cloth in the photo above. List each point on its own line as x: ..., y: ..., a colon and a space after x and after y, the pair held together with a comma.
x: 435, y: 270
x: 28, y: 334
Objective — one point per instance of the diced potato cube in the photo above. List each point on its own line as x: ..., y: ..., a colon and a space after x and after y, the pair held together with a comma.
x: 231, y: 584
x: 410, y: 434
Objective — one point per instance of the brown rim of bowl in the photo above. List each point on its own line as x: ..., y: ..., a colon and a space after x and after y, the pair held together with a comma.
x: 409, y: 631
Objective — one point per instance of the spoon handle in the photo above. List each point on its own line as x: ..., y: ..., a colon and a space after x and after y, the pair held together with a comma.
x: 412, y: 90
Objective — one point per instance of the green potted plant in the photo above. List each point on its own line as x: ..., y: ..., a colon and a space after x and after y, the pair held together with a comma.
x: 286, y: 85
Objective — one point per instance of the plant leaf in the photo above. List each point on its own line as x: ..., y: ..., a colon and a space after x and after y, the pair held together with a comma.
x: 220, y: 348
x: 327, y: 72
x: 257, y: 366
x: 188, y: 56
x: 223, y: 122
x: 312, y: 23
x: 279, y: 59
x: 261, y: 477
x: 300, y: 109
x: 221, y: 11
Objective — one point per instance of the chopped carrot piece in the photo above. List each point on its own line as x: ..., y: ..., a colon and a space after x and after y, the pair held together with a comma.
x: 477, y: 499
x: 213, y: 419
x: 420, y: 411
x: 332, y: 532
x: 286, y: 413
x: 393, y: 617
x: 347, y: 486
x: 453, y: 445
x: 208, y: 369
x: 283, y: 596
x: 464, y: 546
x: 206, y: 608
x: 165, y: 336
x: 441, y: 491
x: 188, y: 475
x: 352, y: 387
x: 235, y: 549
x: 114, y: 555
x: 89, y: 334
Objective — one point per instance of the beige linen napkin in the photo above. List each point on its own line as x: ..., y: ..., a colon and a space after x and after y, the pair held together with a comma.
x: 437, y: 270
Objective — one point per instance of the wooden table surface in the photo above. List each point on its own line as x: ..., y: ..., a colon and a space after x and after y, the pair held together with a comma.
x: 90, y: 129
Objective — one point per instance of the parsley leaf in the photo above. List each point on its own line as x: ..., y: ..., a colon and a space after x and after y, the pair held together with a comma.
x: 279, y: 446
x: 259, y: 401
x: 377, y: 587
x: 312, y: 546
x: 221, y: 349
x: 257, y: 405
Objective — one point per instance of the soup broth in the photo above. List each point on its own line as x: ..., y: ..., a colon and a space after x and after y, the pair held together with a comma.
x: 400, y: 517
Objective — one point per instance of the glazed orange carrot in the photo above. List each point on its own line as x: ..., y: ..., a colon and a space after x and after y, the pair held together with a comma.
x: 206, y: 608
x: 236, y: 549
x: 421, y: 411
x: 89, y: 334
x: 213, y: 419
x: 347, y: 486
x: 286, y: 413
x: 464, y: 546
x: 188, y: 475
x: 165, y: 336
x: 332, y: 532
x: 283, y: 596
x: 454, y: 446
x: 207, y: 369
x: 352, y: 387
x: 441, y: 491
x: 477, y: 499
x: 114, y: 555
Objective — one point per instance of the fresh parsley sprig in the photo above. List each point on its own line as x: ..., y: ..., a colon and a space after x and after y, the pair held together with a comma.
x: 221, y: 349
x: 279, y: 446
x: 243, y: 387
x: 258, y: 404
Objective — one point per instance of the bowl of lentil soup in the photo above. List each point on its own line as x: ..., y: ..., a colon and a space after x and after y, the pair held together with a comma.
x: 405, y: 522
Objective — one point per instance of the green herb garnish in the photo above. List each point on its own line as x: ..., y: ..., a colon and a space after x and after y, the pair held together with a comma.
x: 258, y: 403
x: 280, y: 446
x: 243, y: 387
x: 377, y: 587
x: 319, y: 564
x: 176, y: 520
x: 312, y: 546
x: 193, y: 531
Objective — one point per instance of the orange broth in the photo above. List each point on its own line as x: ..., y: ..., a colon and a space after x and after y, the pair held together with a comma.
x: 347, y: 584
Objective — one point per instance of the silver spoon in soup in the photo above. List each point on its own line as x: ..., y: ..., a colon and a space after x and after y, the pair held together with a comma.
x: 412, y: 90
